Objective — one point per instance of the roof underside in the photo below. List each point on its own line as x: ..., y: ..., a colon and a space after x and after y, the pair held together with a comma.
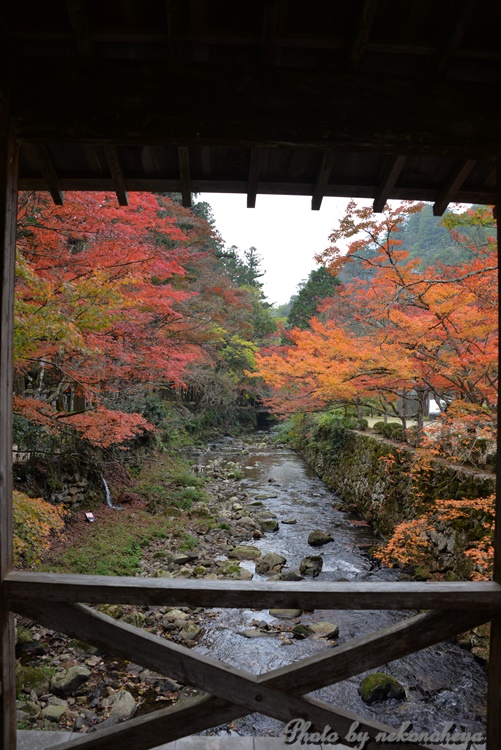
x: 368, y: 98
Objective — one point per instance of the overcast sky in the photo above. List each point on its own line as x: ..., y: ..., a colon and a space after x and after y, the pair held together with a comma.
x: 285, y: 231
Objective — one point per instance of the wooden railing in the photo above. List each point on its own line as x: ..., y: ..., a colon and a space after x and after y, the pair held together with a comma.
x: 53, y: 600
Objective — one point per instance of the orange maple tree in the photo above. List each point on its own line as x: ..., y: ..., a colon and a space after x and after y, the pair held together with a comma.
x: 431, y: 330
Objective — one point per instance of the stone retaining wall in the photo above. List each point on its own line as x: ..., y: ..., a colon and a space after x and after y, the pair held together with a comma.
x: 373, y: 475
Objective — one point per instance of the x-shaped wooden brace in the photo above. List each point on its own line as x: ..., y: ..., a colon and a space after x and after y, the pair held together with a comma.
x: 235, y: 693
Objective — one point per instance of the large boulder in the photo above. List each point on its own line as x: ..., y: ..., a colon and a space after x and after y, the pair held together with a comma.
x: 317, y: 538
x: 311, y: 565
x: 68, y: 681
x: 379, y: 687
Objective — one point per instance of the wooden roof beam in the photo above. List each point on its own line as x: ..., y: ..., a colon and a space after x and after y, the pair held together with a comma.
x: 183, y: 155
x: 394, y: 165
x: 452, y: 186
x: 44, y: 160
x: 366, y: 20
x: 269, y: 34
x: 323, y: 175
x: 80, y: 25
x: 460, y: 22
x: 117, y: 175
x: 174, y: 29
x: 256, y: 157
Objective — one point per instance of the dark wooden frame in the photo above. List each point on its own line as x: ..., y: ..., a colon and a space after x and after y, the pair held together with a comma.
x: 54, y: 600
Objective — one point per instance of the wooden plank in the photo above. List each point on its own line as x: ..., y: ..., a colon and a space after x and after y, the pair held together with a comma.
x: 117, y: 175
x: 48, y: 170
x: 394, y: 165
x: 268, y: 107
x: 183, y: 155
x: 452, y: 186
x: 269, y: 33
x: 175, y: 28
x: 236, y: 686
x: 80, y: 25
x: 364, y: 27
x: 8, y: 210
x: 254, y: 173
x: 323, y: 175
x: 55, y: 587
x: 457, y: 24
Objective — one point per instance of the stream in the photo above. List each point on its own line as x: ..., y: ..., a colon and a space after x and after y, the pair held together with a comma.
x: 443, y: 683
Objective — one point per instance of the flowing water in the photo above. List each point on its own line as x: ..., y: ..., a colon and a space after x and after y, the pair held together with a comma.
x: 444, y: 683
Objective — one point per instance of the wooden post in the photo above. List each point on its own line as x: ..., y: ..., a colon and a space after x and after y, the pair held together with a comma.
x: 8, y: 206
x: 494, y: 696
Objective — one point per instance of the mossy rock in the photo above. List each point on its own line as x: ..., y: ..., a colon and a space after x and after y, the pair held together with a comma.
x: 379, y: 687
x: 32, y: 678
x: 244, y: 552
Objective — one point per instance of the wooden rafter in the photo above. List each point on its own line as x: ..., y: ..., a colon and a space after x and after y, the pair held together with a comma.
x: 255, y: 162
x: 457, y: 24
x: 174, y: 28
x: 43, y: 158
x: 323, y: 175
x: 366, y: 19
x: 394, y: 165
x: 269, y: 34
x: 452, y: 186
x: 183, y: 155
x: 80, y: 25
x: 117, y: 175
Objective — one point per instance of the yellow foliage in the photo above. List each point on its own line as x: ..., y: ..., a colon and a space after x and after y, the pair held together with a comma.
x: 34, y: 521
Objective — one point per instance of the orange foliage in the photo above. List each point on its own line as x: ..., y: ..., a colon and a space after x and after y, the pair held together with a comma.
x: 411, y: 541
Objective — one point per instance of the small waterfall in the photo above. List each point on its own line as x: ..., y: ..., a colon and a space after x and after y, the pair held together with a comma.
x: 107, y: 495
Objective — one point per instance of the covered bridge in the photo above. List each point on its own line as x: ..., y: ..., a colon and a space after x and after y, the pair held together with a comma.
x: 370, y: 98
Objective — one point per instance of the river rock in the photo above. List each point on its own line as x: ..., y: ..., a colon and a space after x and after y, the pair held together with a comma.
x: 292, y: 575
x: 311, y: 565
x: 286, y: 614
x: 289, y: 520
x: 272, y: 561
x: 268, y: 524
x: 54, y: 713
x: 325, y: 629
x: 190, y: 632
x: 257, y: 633
x: 122, y: 705
x: 379, y: 687
x: 244, y: 552
x: 266, y: 495
x: 317, y: 538
x: 69, y: 680
x: 301, y: 631
x: 29, y: 709
x: 176, y: 614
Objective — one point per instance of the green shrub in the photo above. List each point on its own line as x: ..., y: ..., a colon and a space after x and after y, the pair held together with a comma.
x: 363, y: 424
x: 379, y: 426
